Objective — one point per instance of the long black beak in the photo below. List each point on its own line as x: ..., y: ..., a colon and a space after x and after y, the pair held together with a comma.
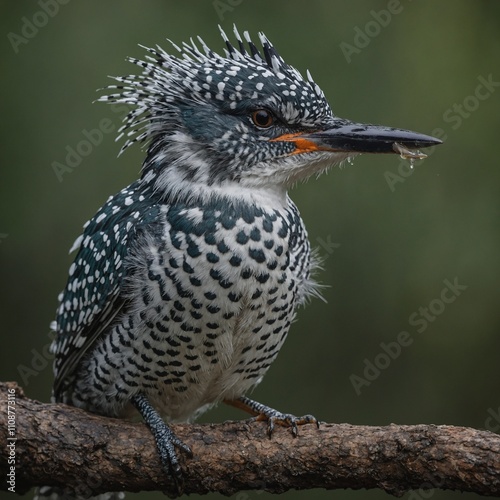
x: 364, y: 138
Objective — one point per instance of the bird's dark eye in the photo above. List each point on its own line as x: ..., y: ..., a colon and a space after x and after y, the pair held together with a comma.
x: 262, y: 118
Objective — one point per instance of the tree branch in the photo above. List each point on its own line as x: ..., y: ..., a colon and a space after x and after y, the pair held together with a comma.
x: 58, y: 445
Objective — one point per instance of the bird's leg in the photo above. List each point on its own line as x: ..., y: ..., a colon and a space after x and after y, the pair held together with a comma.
x: 166, y: 440
x: 273, y: 417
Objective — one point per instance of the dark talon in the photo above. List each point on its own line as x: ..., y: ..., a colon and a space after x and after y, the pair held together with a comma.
x: 273, y: 417
x: 166, y: 440
x: 270, y: 427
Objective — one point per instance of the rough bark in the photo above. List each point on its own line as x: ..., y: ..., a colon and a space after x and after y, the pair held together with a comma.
x: 63, y: 446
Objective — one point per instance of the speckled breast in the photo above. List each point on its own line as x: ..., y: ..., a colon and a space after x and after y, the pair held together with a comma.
x: 215, y: 288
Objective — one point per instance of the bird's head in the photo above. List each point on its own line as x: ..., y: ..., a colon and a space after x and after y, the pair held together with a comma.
x: 245, y: 118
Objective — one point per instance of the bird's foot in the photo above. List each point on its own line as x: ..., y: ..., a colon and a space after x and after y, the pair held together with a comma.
x: 166, y: 440
x: 272, y: 416
x: 166, y: 443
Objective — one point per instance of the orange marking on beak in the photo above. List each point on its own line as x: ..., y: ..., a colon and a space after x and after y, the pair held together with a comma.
x: 301, y: 145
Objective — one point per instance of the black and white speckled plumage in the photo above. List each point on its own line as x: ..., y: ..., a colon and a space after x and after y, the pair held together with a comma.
x: 186, y: 282
x: 209, y: 295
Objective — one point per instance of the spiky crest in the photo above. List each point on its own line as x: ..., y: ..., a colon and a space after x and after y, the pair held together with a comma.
x: 167, y: 79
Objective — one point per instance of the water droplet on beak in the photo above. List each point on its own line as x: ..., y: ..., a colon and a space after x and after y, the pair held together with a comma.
x: 408, y: 154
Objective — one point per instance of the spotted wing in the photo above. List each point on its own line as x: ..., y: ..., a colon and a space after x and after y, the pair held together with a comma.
x: 93, y: 297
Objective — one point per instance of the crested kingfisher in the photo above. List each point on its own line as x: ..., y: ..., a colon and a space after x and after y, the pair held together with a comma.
x: 186, y: 282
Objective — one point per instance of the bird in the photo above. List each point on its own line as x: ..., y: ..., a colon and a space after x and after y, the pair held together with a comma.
x: 185, y: 283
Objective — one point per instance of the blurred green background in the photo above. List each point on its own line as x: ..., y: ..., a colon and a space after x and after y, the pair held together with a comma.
x: 389, y: 237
